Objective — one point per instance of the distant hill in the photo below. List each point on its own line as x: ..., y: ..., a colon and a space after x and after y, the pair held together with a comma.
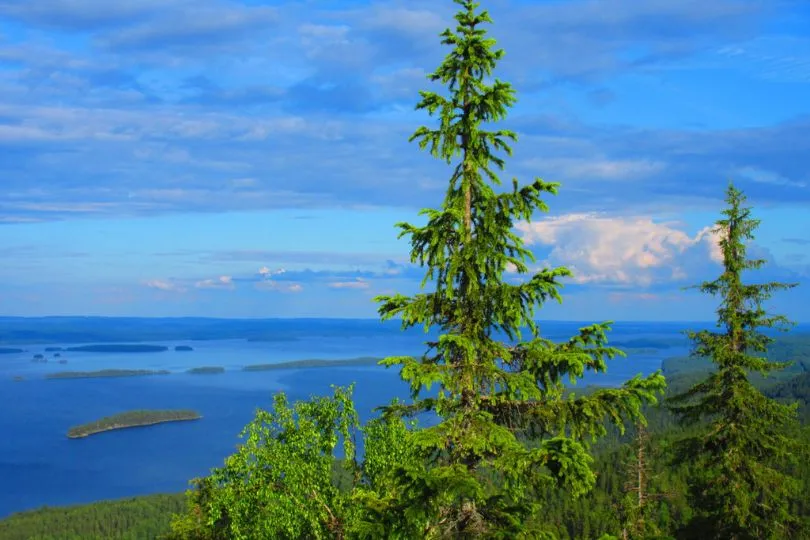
x: 61, y: 330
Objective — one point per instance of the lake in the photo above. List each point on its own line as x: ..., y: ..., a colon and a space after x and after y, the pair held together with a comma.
x: 40, y: 466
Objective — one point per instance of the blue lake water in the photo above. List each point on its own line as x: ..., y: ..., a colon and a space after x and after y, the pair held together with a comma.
x: 40, y: 466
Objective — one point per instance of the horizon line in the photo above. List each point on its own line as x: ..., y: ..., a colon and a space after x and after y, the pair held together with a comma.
x: 178, y: 317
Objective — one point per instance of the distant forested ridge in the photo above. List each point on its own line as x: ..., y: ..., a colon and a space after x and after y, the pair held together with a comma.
x: 119, y: 348
x: 61, y: 330
x: 131, y: 419
x: 137, y: 518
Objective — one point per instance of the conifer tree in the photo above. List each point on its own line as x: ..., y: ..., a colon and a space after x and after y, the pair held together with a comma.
x: 640, y: 502
x: 738, y: 485
x: 506, y: 426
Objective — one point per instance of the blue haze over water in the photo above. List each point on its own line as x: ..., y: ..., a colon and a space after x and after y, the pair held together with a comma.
x: 40, y: 466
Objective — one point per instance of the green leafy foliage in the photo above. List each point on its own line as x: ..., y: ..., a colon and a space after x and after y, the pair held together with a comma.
x: 279, y: 484
x: 740, y: 457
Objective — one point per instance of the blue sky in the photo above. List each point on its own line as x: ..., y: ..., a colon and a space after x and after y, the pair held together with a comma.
x: 248, y: 158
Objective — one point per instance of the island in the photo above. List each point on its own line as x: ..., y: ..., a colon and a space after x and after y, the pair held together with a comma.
x: 53, y: 349
x: 104, y: 373
x: 131, y: 419
x: 296, y: 364
x: 118, y: 348
x: 6, y: 350
x: 39, y: 358
x: 19, y: 378
x: 206, y: 370
x: 183, y: 348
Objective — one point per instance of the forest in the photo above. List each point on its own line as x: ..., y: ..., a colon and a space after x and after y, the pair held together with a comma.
x: 713, y: 446
x: 137, y: 518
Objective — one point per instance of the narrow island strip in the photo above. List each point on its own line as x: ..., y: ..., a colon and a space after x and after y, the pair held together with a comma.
x: 119, y: 348
x: 206, y: 370
x: 105, y: 373
x: 131, y: 419
x: 296, y: 364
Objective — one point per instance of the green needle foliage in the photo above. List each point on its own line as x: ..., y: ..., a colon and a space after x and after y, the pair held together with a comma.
x: 739, y: 457
x: 506, y: 426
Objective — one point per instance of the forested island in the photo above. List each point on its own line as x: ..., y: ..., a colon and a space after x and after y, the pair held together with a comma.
x: 119, y: 348
x: 183, y: 348
x: 206, y: 370
x: 6, y: 350
x: 105, y: 373
x: 315, y: 363
x: 131, y: 419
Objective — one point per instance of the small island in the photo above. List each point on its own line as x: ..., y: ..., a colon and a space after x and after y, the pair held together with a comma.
x: 19, y: 378
x: 6, y: 350
x: 131, y: 419
x: 183, y: 348
x: 39, y: 358
x: 296, y: 364
x: 118, y: 348
x: 206, y: 370
x: 53, y: 349
x: 105, y: 373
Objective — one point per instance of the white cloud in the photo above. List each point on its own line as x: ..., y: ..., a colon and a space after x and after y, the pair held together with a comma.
x: 418, y: 22
x: 358, y: 283
x: 279, y: 286
x: 164, y: 285
x: 768, y: 177
x: 266, y: 272
x: 627, y: 251
x: 222, y: 282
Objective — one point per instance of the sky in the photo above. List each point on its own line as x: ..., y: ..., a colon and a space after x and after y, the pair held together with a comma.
x: 249, y: 158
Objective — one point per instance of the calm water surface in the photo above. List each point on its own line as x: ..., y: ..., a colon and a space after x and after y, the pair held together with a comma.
x: 40, y: 466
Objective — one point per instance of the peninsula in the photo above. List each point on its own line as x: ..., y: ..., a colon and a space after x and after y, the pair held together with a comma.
x: 118, y: 348
x: 131, y: 419
x: 105, y: 373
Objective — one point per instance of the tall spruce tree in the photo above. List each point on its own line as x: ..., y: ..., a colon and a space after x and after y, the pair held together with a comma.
x: 506, y: 425
x: 738, y: 485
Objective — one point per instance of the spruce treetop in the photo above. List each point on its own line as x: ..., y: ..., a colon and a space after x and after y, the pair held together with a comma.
x: 740, y: 456
x: 495, y: 388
